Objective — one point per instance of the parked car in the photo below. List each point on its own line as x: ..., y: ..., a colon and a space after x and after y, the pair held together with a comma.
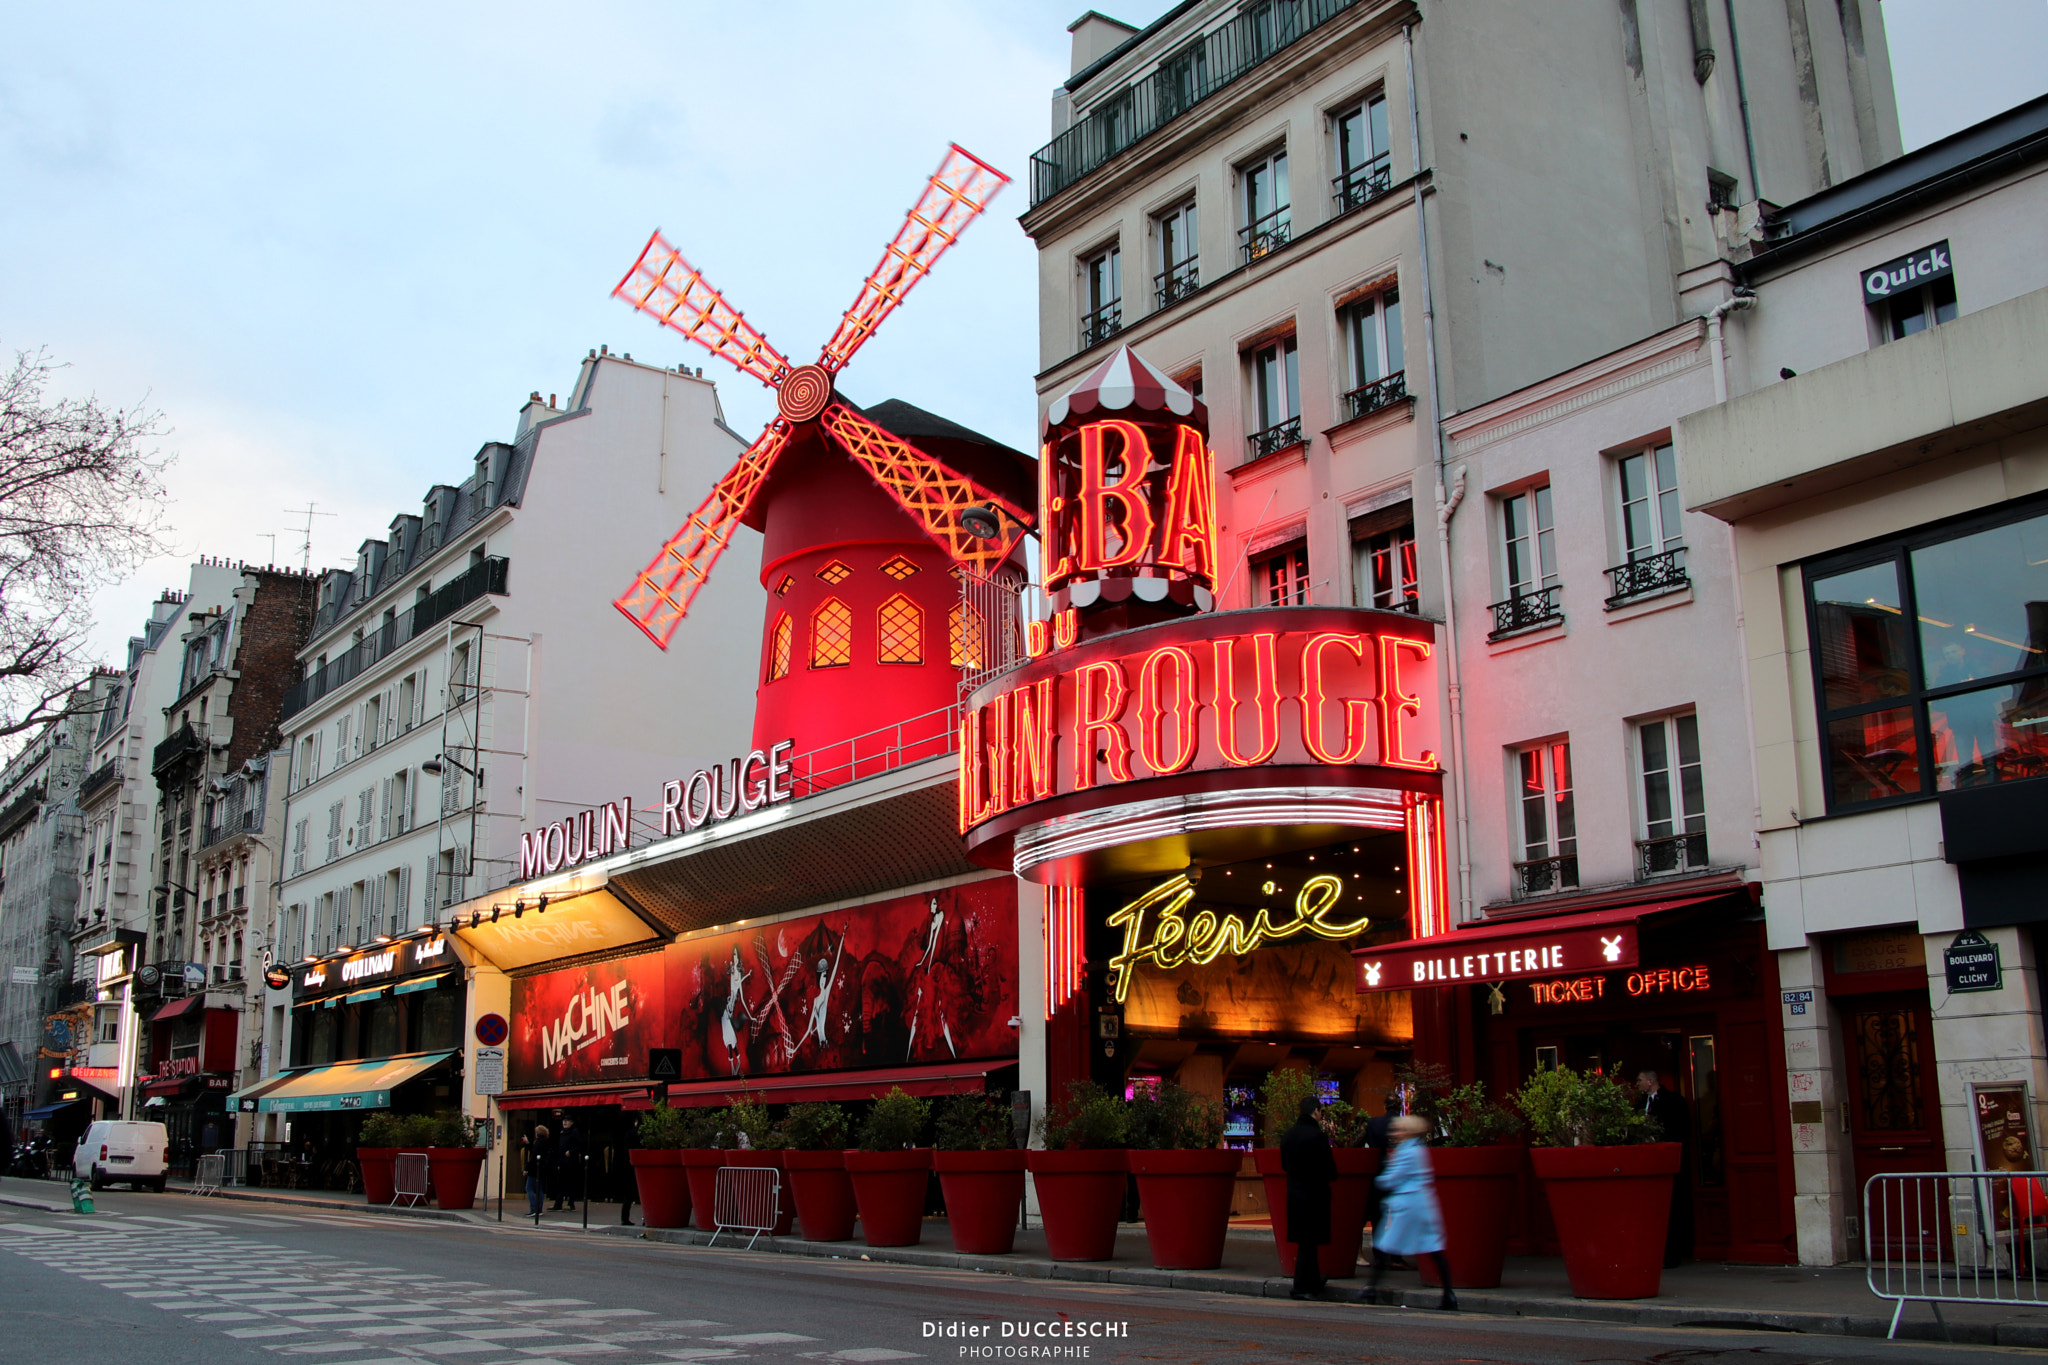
x: 114, y: 1151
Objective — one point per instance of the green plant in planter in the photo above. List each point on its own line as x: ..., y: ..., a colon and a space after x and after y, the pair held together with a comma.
x: 450, y: 1129
x: 699, y: 1127
x: 897, y: 1121
x: 815, y: 1126
x: 1089, y: 1118
x: 1568, y: 1108
x: 1169, y: 1118
x: 973, y: 1123
x: 1466, y: 1118
x: 415, y: 1130
x: 381, y: 1130
x: 1344, y: 1123
x: 1427, y: 1085
x: 746, y: 1116
x: 663, y: 1129
x: 1280, y: 1097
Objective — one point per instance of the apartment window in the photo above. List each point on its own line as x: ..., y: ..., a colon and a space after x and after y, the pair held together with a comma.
x: 1365, y: 167
x: 1179, y: 271
x: 899, y: 632
x: 1674, y: 809
x: 1930, y: 659
x: 1102, y: 288
x: 1281, y: 576
x: 1372, y: 344
x: 334, y: 814
x: 1383, y: 563
x: 1267, y: 220
x: 1652, y: 528
x: 1549, y: 830
x: 408, y: 702
x: 1276, y: 397
x: 373, y: 722
x: 1528, y: 562
x: 965, y: 645
x: 780, y: 641
x: 401, y: 802
x: 458, y: 675
x: 831, y: 634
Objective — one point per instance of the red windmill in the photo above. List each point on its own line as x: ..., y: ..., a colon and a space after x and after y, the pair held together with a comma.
x: 860, y: 525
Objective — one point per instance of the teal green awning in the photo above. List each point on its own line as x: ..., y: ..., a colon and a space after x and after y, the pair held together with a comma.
x: 347, y: 1085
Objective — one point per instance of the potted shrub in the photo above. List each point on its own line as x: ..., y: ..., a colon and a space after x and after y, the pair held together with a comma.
x: 889, y: 1172
x: 980, y: 1171
x: 814, y: 1159
x: 376, y: 1147
x: 1184, y: 1179
x: 747, y: 1138
x: 1280, y: 1097
x: 1475, y: 1183
x: 701, y: 1160
x: 658, y: 1167
x: 1607, y: 1178
x: 1079, y: 1170
x: 454, y: 1163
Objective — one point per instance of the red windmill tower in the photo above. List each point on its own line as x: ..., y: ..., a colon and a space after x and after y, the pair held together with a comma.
x: 863, y: 513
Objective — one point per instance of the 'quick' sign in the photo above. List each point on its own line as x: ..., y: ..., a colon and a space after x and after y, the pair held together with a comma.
x: 1908, y: 272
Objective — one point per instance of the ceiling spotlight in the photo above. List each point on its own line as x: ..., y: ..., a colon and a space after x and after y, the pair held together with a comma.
x: 496, y: 910
x: 518, y: 909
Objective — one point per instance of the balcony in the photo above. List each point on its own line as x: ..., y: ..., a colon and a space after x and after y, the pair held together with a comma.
x: 1277, y: 437
x: 248, y: 822
x: 1370, y: 398
x: 1176, y: 282
x: 1543, y: 876
x: 1527, y: 610
x: 1102, y: 324
x: 1646, y: 577
x: 488, y: 578
x: 1670, y: 855
x: 1361, y: 185
x: 1185, y: 78
x: 99, y: 779
x: 1267, y: 235
x: 186, y: 744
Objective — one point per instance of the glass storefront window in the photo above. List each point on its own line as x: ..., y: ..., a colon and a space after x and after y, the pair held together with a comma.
x: 440, y: 1019
x: 1860, y: 638
x: 1983, y: 603
x: 1995, y: 735
x: 1873, y: 756
x: 382, y: 1023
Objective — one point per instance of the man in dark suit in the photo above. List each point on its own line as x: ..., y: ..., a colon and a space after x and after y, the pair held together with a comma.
x: 571, y: 1175
x: 1305, y: 1157
x: 1674, y: 1122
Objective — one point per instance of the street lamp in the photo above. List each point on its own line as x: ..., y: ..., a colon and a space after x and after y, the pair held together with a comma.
x: 432, y: 767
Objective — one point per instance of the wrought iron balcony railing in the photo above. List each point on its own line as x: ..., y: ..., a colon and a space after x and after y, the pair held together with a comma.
x: 1673, y: 853
x: 1380, y: 393
x: 1279, y: 436
x: 1176, y: 282
x: 1650, y: 574
x: 1267, y: 235
x: 1542, y: 876
x: 485, y: 579
x: 98, y: 779
x: 187, y: 742
x: 1526, y: 609
x: 1361, y: 185
x: 1102, y: 324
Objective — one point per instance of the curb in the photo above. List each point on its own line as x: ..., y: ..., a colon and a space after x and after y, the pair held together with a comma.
x: 18, y: 1202
x: 1490, y: 1302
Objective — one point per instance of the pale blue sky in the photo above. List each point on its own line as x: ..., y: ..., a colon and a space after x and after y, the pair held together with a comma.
x: 339, y: 247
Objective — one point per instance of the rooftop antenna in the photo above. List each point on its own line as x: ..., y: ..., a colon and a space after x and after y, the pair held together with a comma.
x: 265, y: 535
x: 306, y: 549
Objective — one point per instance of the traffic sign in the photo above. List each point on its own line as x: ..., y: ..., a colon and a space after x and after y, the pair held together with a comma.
x: 490, y: 1070
x: 491, y: 1029
x: 665, y: 1063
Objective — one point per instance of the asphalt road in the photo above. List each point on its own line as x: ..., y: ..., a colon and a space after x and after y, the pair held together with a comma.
x: 164, y: 1278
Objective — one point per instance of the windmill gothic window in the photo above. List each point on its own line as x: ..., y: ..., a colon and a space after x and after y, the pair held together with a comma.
x: 966, y: 645
x: 779, y: 641
x: 832, y: 634
x: 899, y: 632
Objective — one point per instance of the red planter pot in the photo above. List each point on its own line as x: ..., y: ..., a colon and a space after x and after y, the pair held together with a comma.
x: 1349, y: 1194
x: 700, y: 1169
x: 1610, y: 1205
x: 1080, y: 1194
x: 1474, y: 1187
x: 785, y: 1207
x: 823, y: 1195
x: 888, y: 1188
x: 452, y: 1174
x: 1186, y: 1200
x: 664, y: 1187
x: 983, y: 1193
x: 375, y: 1164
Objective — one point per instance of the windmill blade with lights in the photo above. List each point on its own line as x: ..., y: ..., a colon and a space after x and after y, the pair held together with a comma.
x: 976, y: 526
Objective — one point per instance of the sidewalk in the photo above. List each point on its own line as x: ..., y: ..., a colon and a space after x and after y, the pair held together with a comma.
x: 1831, y: 1301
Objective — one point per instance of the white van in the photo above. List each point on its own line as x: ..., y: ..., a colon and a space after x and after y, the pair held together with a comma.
x: 113, y: 1151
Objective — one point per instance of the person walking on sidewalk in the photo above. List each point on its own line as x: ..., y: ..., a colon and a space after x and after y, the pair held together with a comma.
x: 619, y: 1178
x: 1305, y: 1157
x: 569, y: 1172
x: 537, y: 1156
x: 1674, y: 1118
x: 1410, y: 1222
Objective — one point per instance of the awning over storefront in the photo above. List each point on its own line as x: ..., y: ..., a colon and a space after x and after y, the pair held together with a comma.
x: 939, y: 1078
x: 244, y: 1100
x: 89, y: 1088
x: 634, y: 1096
x: 1516, y: 949
x: 49, y: 1110
x: 177, y: 1008
x: 347, y: 1085
x: 519, y: 930
x: 422, y: 983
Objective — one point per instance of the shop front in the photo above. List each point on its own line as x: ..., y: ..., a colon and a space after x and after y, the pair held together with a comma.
x: 190, y: 1071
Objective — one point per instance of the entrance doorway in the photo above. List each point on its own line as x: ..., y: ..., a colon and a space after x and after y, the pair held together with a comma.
x: 1894, y: 1107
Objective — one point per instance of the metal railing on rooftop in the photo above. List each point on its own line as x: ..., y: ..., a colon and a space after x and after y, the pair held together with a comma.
x: 485, y: 579
x: 1184, y: 78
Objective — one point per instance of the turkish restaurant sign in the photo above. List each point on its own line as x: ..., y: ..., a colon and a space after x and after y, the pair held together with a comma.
x: 376, y: 966
x: 1326, y: 688
x: 1443, y: 961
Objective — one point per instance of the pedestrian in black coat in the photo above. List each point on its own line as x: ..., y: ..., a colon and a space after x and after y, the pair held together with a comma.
x: 569, y: 1162
x: 1674, y: 1120
x: 1305, y: 1157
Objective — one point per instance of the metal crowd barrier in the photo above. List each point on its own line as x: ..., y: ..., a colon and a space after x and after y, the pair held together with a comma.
x: 209, y: 1174
x: 409, y: 1178
x: 1956, y: 1237
x: 746, y: 1199
x: 237, y: 1171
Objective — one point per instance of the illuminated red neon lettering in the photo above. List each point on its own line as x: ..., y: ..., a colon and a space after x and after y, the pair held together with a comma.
x: 1060, y: 562
x: 1097, y: 492
x: 1658, y: 980
x: 995, y: 752
x: 1396, y: 704
x: 1188, y: 533
x: 671, y: 808
x: 1266, y: 696
x: 1031, y: 730
x: 1100, y: 691
x: 1178, y: 702
x: 1357, y: 710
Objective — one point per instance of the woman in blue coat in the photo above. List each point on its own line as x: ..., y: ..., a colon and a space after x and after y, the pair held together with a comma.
x: 1409, y: 1223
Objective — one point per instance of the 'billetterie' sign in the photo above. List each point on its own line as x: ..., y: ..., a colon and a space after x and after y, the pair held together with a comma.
x: 1329, y: 688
